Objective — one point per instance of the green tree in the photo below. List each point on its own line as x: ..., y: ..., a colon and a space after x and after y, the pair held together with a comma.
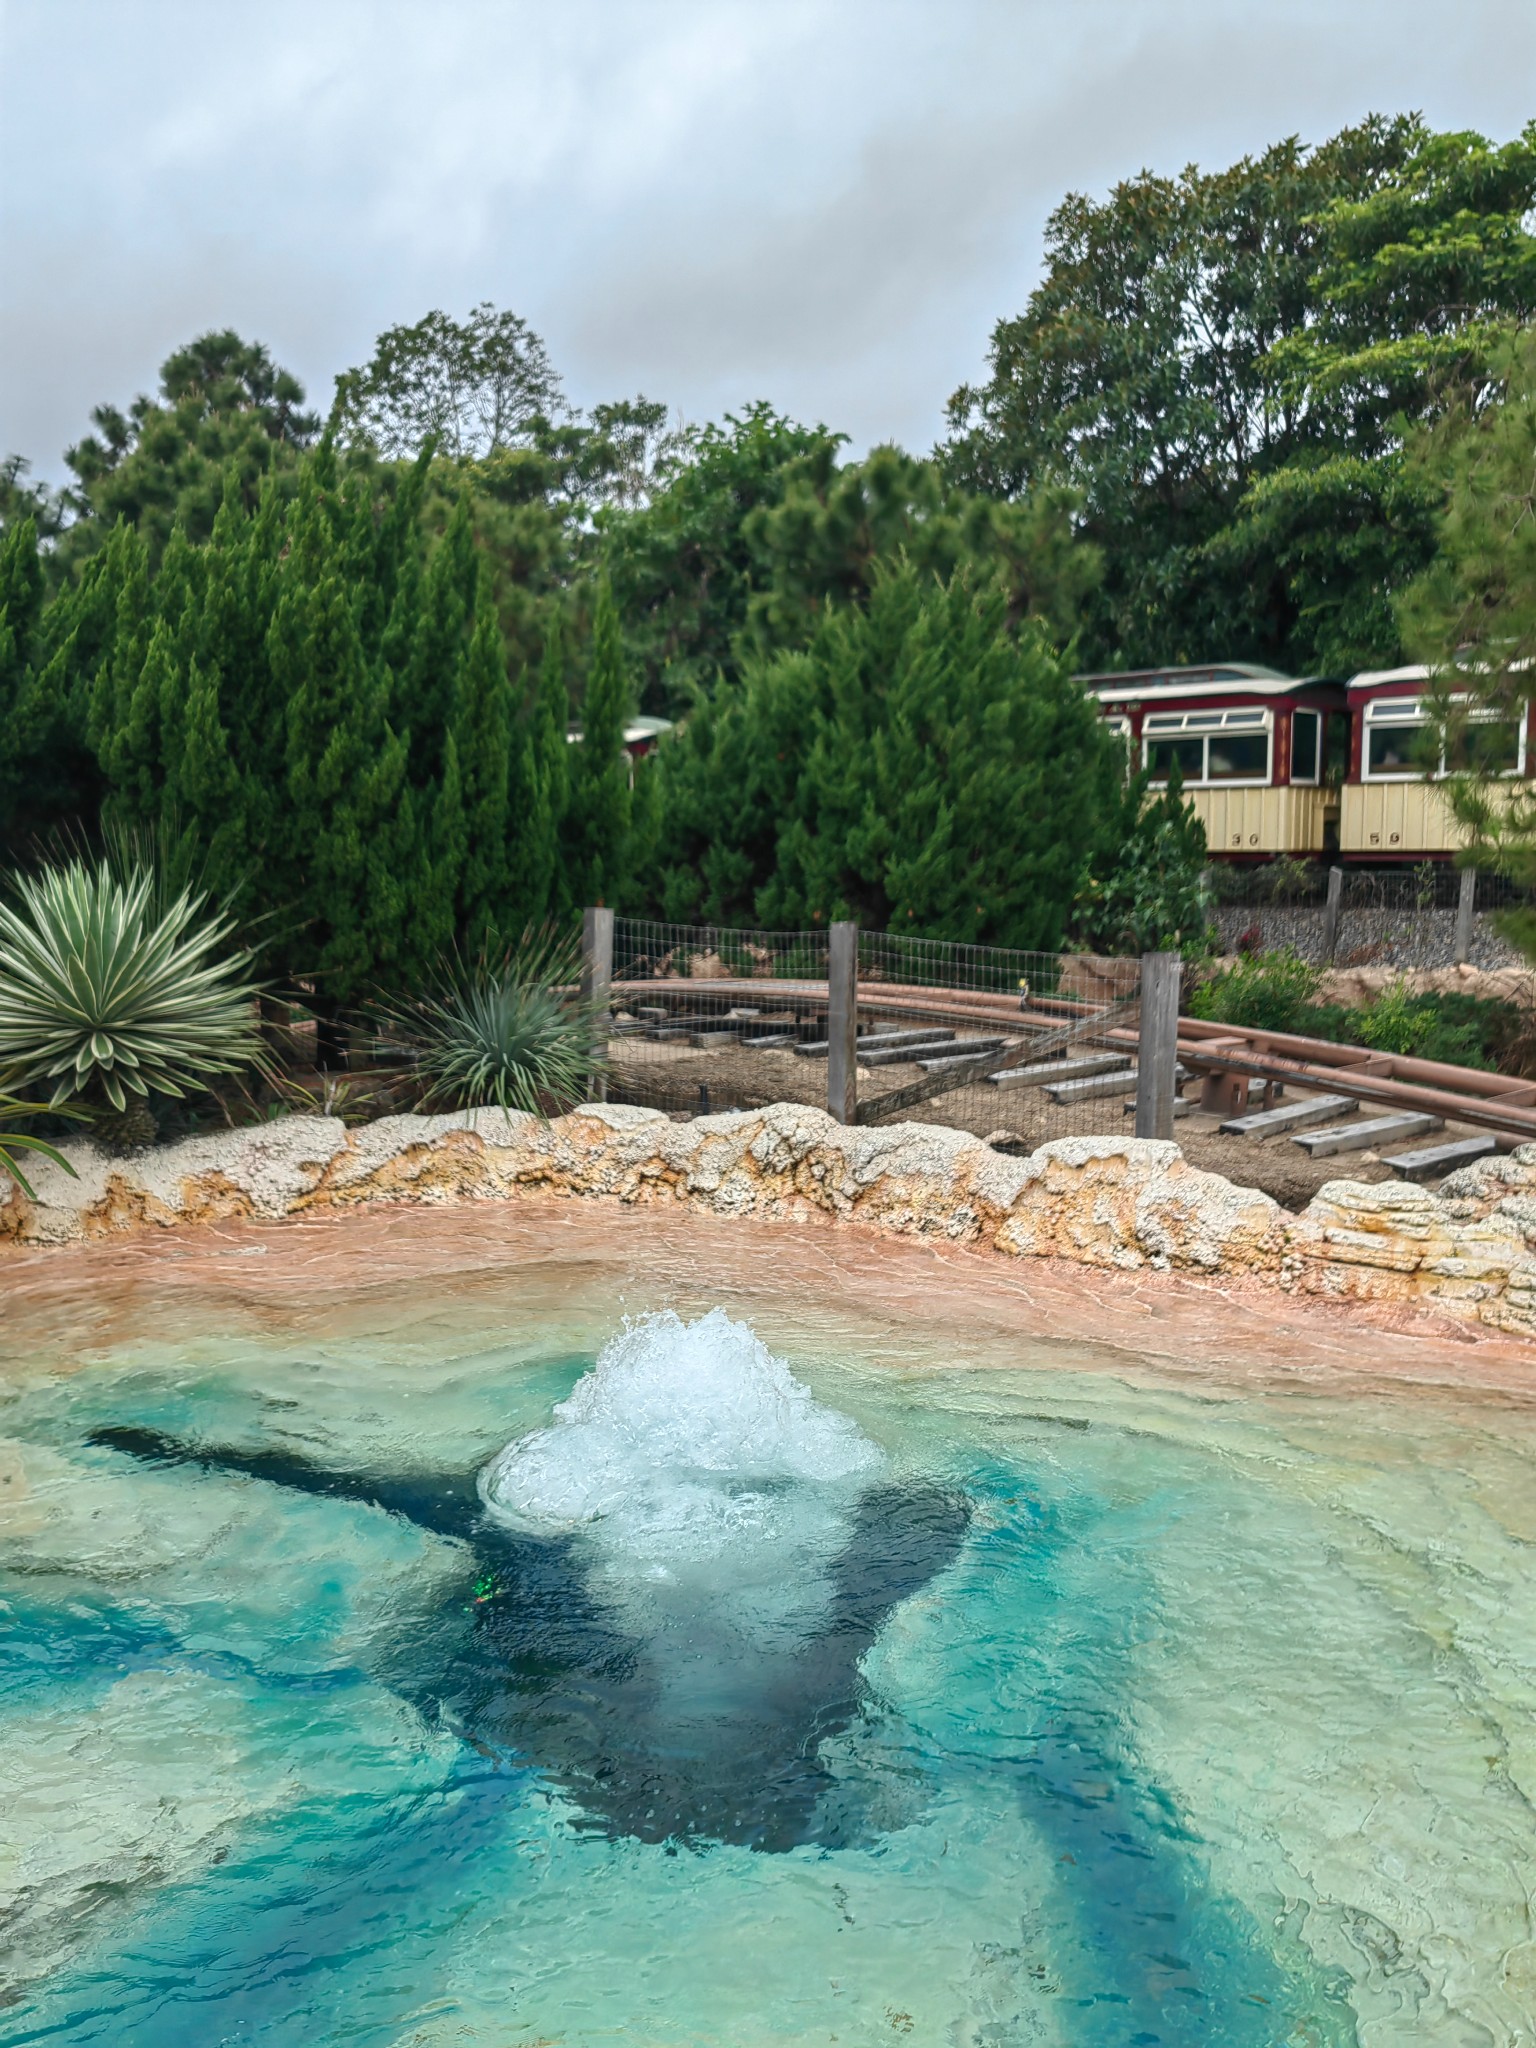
x: 540, y: 798
x: 1196, y: 339
x: 1472, y: 615
x: 681, y: 565
x: 473, y: 387
x: 486, y: 738
x: 1145, y: 893
x: 922, y: 766
x: 834, y: 527
x: 595, y: 827
x: 223, y: 406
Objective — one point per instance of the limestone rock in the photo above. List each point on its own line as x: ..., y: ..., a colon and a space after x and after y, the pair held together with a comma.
x: 1106, y: 1201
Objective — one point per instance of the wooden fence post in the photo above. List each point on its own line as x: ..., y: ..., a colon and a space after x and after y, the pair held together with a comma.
x: 842, y: 1022
x: 1331, y: 915
x: 1157, y: 1054
x: 1466, y: 904
x: 596, y: 975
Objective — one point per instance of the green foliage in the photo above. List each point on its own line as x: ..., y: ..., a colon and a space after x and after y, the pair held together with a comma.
x: 1147, y: 894
x: 12, y: 1142
x: 920, y: 767
x: 682, y: 567
x: 107, y: 994
x: 471, y: 387
x: 1415, y: 281
x: 1217, y: 362
x: 224, y: 407
x: 835, y: 530
x: 1461, y: 1030
x: 505, y: 1031
x: 1277, y: 991
x: 595, y: 826
x: 1472, y: 615
x: 1272, y: 991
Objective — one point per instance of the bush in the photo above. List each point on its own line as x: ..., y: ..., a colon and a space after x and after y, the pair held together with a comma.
x: 507, y: 1031
x: 1152, y: 896
x: 12, y: 1142
x: 1462, y: 1030
x: 1263, y: 991
x: 1275, y: 991
x: 112, y: 991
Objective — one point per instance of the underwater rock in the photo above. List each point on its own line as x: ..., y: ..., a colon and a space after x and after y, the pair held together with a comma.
x: 666, y: 1595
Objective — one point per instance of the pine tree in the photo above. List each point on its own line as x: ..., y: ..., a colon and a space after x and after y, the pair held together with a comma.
x: 596, y: 827
x: 538, y: 821
x: 481, y: 746
x: 208, y: 792
x: 424, y: 706
x: 344, y: 860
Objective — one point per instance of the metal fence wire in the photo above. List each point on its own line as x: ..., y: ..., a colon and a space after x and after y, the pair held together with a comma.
x: 1010, y: 1045
x: 1423, y: 916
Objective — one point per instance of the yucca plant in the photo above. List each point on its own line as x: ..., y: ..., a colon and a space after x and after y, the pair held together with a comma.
x: 12, y: 1142
x: 508, y: 1030
x: 113, y: 997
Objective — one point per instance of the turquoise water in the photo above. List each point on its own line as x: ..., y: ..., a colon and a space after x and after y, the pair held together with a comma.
x: 990, y: 1707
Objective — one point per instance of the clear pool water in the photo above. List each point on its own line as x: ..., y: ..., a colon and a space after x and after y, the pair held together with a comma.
x: 827, y: 1690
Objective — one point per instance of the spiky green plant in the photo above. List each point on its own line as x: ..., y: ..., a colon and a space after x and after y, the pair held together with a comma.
x: 509, y: 1031
x: 111, y: 996
x: 12, y: 1142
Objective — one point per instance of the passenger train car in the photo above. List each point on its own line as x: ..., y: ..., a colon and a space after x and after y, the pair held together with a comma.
x: 1308, y: 767
x: 1261, y: 754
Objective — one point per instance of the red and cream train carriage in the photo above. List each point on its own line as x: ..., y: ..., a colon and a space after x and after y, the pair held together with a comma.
x: 1261, y: 754
x: 1306, y: 767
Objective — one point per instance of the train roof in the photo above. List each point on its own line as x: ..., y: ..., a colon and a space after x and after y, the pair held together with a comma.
x: 1205, y: 679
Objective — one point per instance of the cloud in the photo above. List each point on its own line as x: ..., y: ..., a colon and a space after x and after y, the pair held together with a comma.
x: 822, y: 202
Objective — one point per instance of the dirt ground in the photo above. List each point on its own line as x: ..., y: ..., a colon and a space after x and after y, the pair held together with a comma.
x: 694, y: 1080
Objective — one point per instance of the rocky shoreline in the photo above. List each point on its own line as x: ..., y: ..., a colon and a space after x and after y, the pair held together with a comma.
x: 1467, y: 1251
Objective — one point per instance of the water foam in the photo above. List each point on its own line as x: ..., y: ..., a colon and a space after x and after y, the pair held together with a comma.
x: 683, y: 1443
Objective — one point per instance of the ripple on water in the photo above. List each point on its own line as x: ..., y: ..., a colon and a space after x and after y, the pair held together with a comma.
x: 752, y: 1705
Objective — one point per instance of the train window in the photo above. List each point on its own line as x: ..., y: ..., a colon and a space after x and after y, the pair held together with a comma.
x: 1209, y: 746
x: 1396, y: 738
x: 1485, y: 746
x: 1306, y: 737
x: 1395, y: 749
x: 1190, y: 755
x: 1400, y: 741
x: 1238, y: 757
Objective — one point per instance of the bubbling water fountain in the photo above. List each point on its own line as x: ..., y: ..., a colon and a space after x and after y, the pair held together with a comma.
x: 675, y: 1583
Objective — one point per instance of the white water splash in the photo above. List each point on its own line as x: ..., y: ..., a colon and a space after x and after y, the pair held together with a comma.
x: 682, y: 1442
x: 695, y: 1467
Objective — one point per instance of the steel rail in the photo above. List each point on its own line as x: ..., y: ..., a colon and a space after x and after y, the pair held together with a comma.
x: 1228, y: 1049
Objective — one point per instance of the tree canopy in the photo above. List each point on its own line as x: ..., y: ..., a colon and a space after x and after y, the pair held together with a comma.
x: 1226, y: 364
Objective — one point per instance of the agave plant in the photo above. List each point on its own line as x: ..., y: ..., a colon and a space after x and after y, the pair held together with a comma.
x: 508, y: 1030
x: 12, y: 1142
x: 111, y: 996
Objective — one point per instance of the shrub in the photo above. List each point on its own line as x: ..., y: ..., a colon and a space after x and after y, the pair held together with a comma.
x: 12, y: 1142
x: 1275, y: 992
x: 1262, y: 991
x: 508, y: 1031
x: 113, y: 996
x: 1462, y: 1030
x: 1153, y: 895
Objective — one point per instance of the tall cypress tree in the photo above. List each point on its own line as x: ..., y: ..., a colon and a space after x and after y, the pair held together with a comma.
x: 481, y: 747
x: 343, y: 855
x: 598, y: 813
x: 539, y: 820
x: 425, y: 701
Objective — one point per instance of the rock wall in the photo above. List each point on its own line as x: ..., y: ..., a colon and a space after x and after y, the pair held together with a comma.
x: 1116, y: 1202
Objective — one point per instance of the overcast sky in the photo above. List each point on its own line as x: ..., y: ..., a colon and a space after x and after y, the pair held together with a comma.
x: 826, y: 203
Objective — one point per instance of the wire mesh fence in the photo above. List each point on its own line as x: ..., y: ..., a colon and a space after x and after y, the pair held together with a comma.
x: 981, y: 1038
x: 1404, y: 917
